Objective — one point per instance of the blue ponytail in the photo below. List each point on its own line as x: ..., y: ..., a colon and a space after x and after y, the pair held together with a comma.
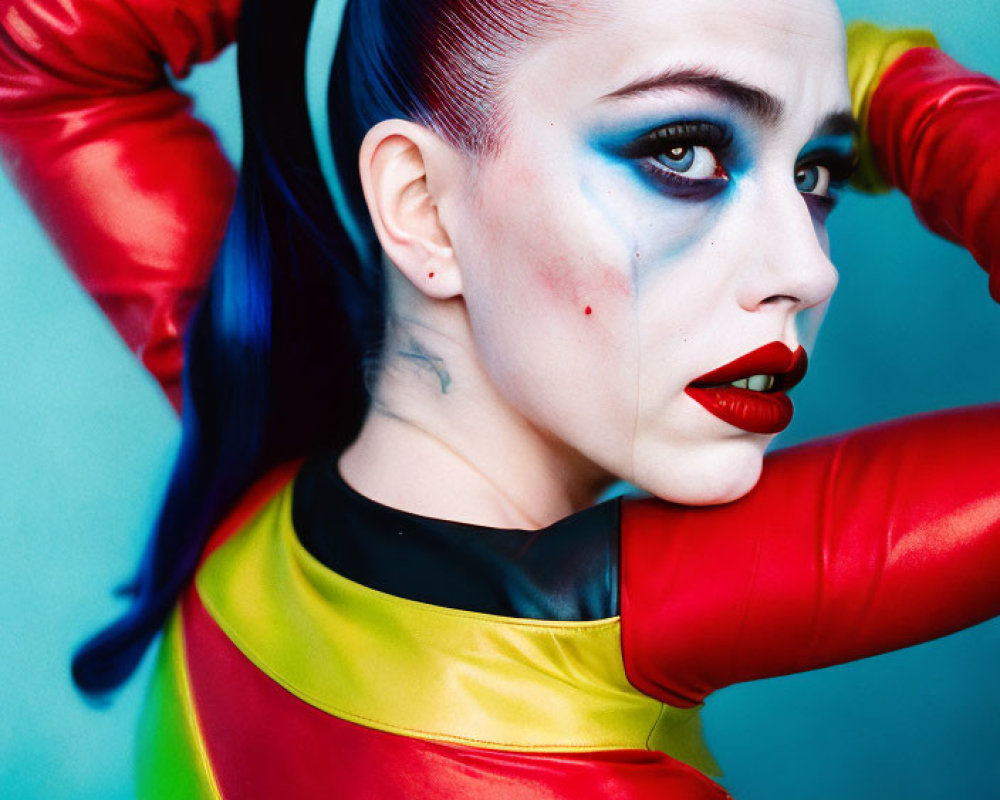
x: 273, y: 354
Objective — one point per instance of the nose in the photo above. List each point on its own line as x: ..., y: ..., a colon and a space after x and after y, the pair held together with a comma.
x: 791, y: 267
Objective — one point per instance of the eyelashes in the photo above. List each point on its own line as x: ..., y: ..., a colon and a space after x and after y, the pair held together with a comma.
x: 682, y: 133
x: 841, y: 165
x: 692, y: 160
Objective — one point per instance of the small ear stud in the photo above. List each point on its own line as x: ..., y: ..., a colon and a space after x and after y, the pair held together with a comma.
x: 430, y: 274
x: 588, y: 311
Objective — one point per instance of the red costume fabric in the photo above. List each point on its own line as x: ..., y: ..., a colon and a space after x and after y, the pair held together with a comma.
x: 935, y: 133
x: 317, y: 754
x: 845, y: 548
x: 134, y: 191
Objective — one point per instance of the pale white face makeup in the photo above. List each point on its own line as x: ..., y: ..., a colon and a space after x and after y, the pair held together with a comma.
x: 652, y: 216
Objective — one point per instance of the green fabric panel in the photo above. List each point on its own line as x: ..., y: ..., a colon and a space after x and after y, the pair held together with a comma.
x: 171, y: 761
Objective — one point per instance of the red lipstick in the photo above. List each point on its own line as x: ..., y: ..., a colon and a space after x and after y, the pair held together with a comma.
x: 764, y: 410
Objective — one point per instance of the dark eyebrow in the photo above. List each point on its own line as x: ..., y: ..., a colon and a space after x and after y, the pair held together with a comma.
x: 839, y: 123
x: 760, y: 104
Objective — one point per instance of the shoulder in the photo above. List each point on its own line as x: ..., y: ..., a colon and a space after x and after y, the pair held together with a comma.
x: 263, y: 493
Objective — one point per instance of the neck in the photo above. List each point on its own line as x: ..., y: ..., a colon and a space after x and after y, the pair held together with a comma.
x: 440, y: 441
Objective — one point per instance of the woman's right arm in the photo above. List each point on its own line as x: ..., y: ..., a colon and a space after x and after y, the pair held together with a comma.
x: 134, y: 191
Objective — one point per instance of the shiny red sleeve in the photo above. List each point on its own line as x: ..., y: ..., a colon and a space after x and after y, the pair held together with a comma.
x: 848, y: 547
x: 935, y: 134
x: 133, y: 190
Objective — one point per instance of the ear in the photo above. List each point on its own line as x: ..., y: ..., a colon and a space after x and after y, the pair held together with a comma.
x: 398, y: 161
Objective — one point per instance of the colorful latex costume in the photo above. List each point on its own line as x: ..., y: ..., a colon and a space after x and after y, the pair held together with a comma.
x: 273, y: 662
x: 378, y: 695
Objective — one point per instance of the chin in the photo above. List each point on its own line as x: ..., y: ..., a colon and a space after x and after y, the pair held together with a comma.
x: 705, y: 474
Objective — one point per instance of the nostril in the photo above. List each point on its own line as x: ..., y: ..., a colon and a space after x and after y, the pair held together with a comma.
x: 774, y: 299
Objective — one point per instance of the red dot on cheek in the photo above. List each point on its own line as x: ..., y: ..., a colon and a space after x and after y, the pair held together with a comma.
x: 430, y: 274
x: 588, y: 311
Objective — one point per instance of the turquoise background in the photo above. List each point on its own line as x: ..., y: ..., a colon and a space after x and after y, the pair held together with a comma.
x: 87, y: 443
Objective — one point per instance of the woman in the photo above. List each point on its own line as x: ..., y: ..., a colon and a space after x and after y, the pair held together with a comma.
x: 655, y: 252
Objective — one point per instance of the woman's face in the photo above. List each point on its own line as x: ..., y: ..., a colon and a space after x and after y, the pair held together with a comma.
x: 657, y: 212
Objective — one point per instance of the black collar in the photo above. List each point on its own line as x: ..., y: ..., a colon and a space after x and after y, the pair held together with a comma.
x: 568, y: 571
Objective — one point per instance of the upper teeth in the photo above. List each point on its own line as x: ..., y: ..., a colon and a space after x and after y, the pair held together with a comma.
x: 755, y: 383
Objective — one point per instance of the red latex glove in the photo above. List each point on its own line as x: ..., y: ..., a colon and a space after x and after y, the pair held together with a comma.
x: 934, y: 128
x: 133, y: 190
x: 848, y: 547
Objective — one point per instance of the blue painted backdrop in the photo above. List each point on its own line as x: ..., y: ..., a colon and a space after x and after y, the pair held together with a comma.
x: 87, y: 443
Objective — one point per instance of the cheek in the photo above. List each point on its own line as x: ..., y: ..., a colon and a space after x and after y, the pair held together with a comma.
x: 547, y: 284
x: 591, y: 291
x: 545, y: 246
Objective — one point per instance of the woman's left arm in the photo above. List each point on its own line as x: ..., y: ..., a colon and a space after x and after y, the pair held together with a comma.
x: 848, y: 547
x: 931, y: 128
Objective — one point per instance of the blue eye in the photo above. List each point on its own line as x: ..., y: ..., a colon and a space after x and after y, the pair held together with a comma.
x: 823, y: 173
x: 685, y: 159
x: 820, y: 178
x: 813, y: 179
x: 695, y: 162
x: 679, y: 159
